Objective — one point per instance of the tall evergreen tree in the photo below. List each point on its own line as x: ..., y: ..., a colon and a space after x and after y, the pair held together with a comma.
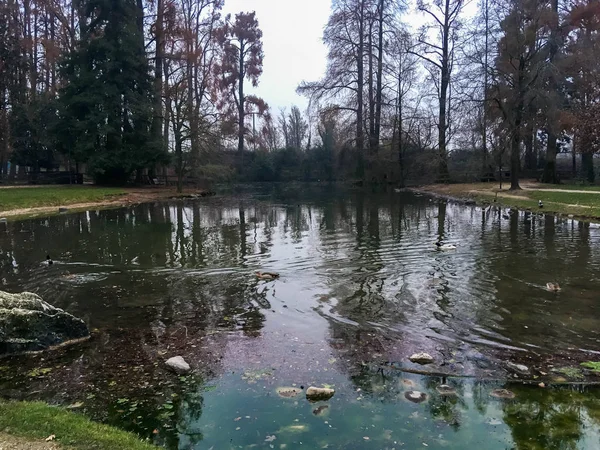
x: 106, y: 104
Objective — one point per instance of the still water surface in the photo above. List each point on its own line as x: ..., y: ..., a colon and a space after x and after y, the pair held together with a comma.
x: 362, y: 287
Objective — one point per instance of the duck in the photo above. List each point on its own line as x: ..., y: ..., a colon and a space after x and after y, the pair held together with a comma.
x: 553, y: 287
x: 540, y: 204
x: 48, y: 261
x: 441, y: 246
x: 267, y: 275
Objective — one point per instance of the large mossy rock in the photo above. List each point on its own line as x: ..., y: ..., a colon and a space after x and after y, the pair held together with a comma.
x: 28, y: 323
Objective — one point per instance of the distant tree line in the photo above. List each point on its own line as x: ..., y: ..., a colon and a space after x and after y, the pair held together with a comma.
x: 128, y: 88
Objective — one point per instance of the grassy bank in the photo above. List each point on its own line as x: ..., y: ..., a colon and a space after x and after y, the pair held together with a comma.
x: 567, y: 200
x: 37, y: 421
x: 33, y: 197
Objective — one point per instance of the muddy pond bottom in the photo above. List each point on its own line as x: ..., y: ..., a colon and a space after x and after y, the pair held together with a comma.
x: 361, y: 287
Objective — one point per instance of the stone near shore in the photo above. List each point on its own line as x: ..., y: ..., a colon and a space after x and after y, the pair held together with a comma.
x: 315, y: 394
x: 28, y: 323
x: 178, y: 365
x: 421, y: 358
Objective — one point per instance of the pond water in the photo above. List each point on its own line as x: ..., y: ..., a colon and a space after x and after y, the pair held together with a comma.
x: 362, y: 287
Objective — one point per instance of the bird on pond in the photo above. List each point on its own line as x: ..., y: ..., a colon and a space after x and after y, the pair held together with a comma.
x: 267, y: 275
x: 553, y: 287
x: 540, y: 204
x: 441, y: 246
x: 49, y: 260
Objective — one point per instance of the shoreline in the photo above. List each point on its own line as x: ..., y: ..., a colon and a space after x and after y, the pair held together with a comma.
x: 130, y: 197
x: 485, y: 195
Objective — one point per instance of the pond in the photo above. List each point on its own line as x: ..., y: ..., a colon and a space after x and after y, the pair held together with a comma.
x: 362, y: 287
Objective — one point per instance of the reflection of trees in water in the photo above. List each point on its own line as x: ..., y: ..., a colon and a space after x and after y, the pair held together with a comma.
x: 543, y: 419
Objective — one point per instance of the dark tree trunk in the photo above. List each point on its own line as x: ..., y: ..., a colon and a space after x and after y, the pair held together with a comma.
x: 443, y: 175
x: 529, y: 162
x: 360, y: 140
x: 515, y: 150
x: 379, y: 83
x: 157, y: 119
x: 550, y: 175
x: 370, y: 82
x: 241, y: 111
x: 587, y: 165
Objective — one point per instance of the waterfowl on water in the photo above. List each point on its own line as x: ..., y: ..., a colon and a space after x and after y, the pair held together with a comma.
x: 553, y: 287
x: 267, y: 275
x: 49, y: 260
x: 441, y: 246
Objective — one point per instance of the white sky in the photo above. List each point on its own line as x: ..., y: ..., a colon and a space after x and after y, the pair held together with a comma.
x: 292, y: 40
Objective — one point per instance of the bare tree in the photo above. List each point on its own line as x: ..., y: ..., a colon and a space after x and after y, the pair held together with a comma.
x: 436, y: 44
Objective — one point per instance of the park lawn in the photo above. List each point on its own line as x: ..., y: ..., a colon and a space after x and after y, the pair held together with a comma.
x: 36, y: 420
x: 32, y: 197
x: 567, y: 198
x: 569, y: 187
x: 567, y: 203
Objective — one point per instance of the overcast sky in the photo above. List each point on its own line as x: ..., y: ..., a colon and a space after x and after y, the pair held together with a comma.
x: 294, y: 51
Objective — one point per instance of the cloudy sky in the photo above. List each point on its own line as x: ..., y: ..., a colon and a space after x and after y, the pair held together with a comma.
x: 292, y: 32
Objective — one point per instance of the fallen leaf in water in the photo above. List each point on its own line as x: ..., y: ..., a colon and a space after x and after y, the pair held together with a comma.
x: 270, y: 438
x: 237, y: 419
x: 50, y: 438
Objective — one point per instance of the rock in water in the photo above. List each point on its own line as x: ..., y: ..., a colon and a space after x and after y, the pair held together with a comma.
x: 28, y: 323
x: 315, y: 394
x: 517, y: 368
x: 503, y: 394
x: 415, y: 396
x: 421, y: 358
x: 178, y: 365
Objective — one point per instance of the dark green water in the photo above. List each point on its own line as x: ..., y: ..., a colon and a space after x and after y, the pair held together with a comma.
x: 362, y: 287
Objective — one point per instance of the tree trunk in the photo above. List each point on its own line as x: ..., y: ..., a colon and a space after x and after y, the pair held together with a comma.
x: 157, y: 119
x: 529, y: 163
x: 443, y: 175
x: 515, y: 150
x: 379, y: 83
x: 587, y: 165
x: 574, y: 158
x: 360, y: 140
x: 241, y: 111
x: 550, y: 175
x: 371, y: 92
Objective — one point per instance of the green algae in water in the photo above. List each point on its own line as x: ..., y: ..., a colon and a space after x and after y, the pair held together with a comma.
x: 570, y: 372
x: 592, y: 365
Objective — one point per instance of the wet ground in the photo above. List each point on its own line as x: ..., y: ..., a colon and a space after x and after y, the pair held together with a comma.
x: 362, y: 287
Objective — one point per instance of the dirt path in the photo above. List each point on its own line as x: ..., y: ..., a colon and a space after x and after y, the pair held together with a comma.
x: 8, y: 442
x: 131, y: 197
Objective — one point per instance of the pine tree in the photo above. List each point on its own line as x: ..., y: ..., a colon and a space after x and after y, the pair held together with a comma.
x: 106, y: 104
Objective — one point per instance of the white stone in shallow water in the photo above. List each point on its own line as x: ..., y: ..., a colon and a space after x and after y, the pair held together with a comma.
x: 178, y: 365
x: 518, y: 368
x: 421, y: 358
x: 415, y: 396
x: 316, y: 394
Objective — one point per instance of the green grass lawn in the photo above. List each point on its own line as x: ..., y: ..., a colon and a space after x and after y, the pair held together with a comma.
x: 569, y: 187
x: 19, y: 198
x: 568, y: 198
x: 38, y: 421
x: 578, y: 204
